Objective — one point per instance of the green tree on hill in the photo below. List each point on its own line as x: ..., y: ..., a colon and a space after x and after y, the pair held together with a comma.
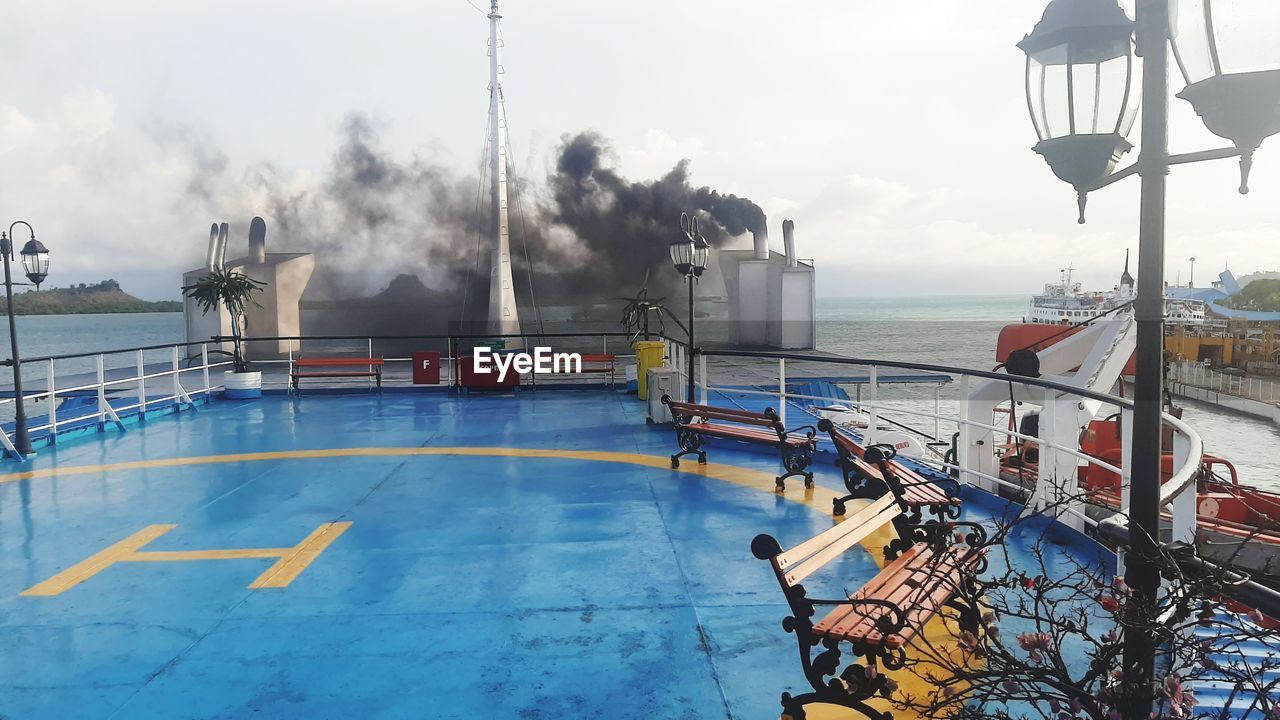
x: 1259, y: 295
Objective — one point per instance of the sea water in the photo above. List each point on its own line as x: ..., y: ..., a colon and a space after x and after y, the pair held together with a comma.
x: 962, y: 332
x: 953, y: 331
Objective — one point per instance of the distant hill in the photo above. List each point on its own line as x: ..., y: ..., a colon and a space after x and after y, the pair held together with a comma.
x: 1261, y: 294
x: 103, y: 297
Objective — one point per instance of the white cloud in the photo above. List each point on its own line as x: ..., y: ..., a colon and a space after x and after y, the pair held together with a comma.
x: 657, y: 154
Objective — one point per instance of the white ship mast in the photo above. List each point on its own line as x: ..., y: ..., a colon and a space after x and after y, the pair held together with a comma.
x: 504, y: 317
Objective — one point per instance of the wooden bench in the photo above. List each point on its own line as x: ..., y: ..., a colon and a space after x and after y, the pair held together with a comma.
x: 926, y: 570
x: 599, y: 364
x: 331, y: 368
x: 693, y: 423
x: 865, y: 478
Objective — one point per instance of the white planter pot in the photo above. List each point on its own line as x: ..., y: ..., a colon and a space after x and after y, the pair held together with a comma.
x: 242, y: 385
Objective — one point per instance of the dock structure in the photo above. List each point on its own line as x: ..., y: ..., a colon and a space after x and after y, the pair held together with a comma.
x: 1238, y: 392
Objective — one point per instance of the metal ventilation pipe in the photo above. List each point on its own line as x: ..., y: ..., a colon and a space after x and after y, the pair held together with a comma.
x: 760, y: 239
x: 211, y: 258
x: 789, y: 242
x: 258, y: 241
x: 222, y: 245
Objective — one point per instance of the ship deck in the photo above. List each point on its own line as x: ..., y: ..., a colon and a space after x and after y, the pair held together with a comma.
x: 403, y: 555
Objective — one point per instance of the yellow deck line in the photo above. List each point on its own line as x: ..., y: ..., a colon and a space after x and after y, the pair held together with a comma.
x: 295, y: 560
x: 96, y: 563
x: 291, y: 565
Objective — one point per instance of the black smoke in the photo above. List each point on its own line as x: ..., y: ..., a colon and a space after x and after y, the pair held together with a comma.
x: 589, y: 233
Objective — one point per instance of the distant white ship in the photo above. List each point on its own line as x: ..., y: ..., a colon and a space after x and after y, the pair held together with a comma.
x: 1065, y: 303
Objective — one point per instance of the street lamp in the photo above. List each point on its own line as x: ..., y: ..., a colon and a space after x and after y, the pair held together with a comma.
x: 1079, y: 85
x: 1227, y: 54
x: 1068, y: 87
x: 35, y: 261
x: 1192, y: 283
x: 689, y: 254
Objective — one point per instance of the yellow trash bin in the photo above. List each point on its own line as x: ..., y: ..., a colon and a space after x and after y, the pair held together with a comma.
x: 649, y: 354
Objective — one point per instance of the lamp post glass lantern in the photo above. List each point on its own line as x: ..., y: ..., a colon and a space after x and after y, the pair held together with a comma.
x: 1081, y: 89
x: 35, y: 262
x: 1229, y: 56
x: 690, y: 252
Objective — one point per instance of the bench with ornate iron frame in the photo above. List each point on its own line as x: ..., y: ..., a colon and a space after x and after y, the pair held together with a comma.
x: 693, y: 422
x: 927, y: 569
x: 864, y: 479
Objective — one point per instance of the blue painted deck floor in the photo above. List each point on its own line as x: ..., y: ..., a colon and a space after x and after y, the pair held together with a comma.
x: 465, y: 587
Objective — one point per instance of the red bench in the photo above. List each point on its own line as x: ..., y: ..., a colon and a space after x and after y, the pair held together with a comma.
x: 599, y: 364
x: 693, y: 422
x: 331, y: 368
x: 926, y: 572
x: 872, y: 477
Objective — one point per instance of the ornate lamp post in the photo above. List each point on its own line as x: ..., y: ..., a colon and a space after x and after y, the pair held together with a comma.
x: 689, y: 254
x: 35, y: 261
x: 1079, y: 79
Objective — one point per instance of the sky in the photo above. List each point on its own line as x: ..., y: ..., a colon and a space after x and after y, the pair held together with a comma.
x: 895, y: 135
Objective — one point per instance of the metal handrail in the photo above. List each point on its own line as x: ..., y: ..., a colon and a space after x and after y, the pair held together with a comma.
x: 922, y: 367
x: 105, y: 410
x: 1182, y: 480
x: 217, y: 339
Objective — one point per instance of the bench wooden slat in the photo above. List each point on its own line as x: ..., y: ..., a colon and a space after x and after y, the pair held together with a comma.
x: 767, y: 437
x: 696, y: 409
x: 842, y: 542
x: 928, y: 494
x: 899, y: 586
x: 786, y: 559
x: 956, y: 563
x: 336, y: 373
x: 841, y: 613
x: 337, y: 362
x: 717, y: 413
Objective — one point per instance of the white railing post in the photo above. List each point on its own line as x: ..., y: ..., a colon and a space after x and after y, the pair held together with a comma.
x: 104, y: 408
x: 937, y: 411
x: 142, y: 387
x: 204, y: 363
x: 782, y: 391
x: 53, y: 404
x: 177, y: 369
x: 702, y: 375
x: 1184, y: 504
x: 679, y: 363
x: 873, y: 417
x: 1126, y: 470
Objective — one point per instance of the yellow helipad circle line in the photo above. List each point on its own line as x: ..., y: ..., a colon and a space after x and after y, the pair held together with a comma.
x: 817, y: 498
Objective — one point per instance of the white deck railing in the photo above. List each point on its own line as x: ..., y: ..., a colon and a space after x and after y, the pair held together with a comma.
x: 1177, y: 494
x: 173, y: 381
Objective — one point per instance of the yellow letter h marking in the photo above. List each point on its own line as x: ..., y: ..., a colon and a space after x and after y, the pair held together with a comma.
x: 290, y: 562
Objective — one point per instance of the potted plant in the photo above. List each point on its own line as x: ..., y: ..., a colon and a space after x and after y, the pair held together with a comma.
x: 635, y: 318
x: 233, y: 290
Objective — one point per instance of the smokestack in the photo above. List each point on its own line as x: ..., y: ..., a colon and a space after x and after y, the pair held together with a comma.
x: 761, y: 240
x: 211, y: 259
x: 258, y: 241
x: 789, y: 242
x: 222, y: 245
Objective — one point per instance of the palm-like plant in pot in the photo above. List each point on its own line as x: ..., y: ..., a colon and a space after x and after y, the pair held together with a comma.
x: 231, y: 289
x: 638, y: 310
